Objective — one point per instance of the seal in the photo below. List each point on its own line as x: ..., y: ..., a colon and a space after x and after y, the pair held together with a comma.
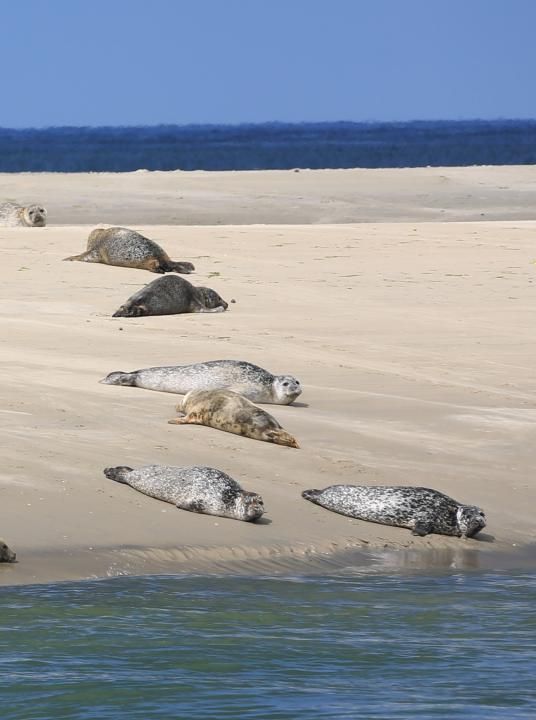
x: 197, y: 488
x: 231, y: 412
x: 6, y: 555
x: 422, y: 510
x: 14, y: 215
x: 251, y: 381
x: 127, y: 248
x: 171, y: 295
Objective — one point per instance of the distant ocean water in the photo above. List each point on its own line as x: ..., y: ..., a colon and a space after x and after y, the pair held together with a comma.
x: 269, y: 146
x: 461, y: 645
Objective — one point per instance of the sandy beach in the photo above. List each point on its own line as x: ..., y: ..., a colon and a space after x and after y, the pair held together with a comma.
x: 403, y: 300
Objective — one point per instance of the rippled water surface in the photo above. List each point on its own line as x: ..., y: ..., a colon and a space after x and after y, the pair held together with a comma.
x: 417, y: 646
x: 269, y: 146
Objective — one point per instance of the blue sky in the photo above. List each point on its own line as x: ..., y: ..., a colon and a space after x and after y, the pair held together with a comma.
x: 145, y: 62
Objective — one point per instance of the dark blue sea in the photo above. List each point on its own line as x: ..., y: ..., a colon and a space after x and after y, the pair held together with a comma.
x: 269, y: 146
x: 432, y: 647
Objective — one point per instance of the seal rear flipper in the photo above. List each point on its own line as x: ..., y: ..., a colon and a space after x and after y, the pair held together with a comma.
x: 117, y: 473
x: 179, y: 267
x: 131, y: 311
x: 311, y: 495
x: 87, y: 256
x: 119, y: 377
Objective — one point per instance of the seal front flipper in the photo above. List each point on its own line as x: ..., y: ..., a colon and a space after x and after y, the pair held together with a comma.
x: 422, y: 528
x: 206, y: 310
x: 197, y: 506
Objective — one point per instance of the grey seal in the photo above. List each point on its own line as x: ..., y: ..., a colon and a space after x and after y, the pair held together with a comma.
x: 197, y: 488
x: 251, y: 381
x: 6, y: 555
x: 171, y: 295
x: 231, y: 412
x: 127, y: 248
x: 14, y: 215
x: 422, y: 510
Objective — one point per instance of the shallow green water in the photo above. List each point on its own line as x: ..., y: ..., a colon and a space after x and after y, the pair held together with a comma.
x: 206, y: 647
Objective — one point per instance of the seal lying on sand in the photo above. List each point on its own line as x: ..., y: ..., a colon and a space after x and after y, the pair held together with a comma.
x: 229, y: 411
x: 13, y: 215
x: 127, y: 248
x: 198, y: 488
x: 421, y: 510
x: 171, y: 295
x: 251, y: 381
x: 6, y: 555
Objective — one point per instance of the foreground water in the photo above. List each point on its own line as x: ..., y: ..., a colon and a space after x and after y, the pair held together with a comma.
x: 206, y: 647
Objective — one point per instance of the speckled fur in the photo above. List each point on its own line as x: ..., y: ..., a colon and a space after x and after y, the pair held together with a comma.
x: 6, y: 555
x: 422, y: 510
x: 171, y: 295
x: 197, y: 489
x: 127, y: 248
x: 231, y: 412
x: 251, y: 381
x: 14, y: 215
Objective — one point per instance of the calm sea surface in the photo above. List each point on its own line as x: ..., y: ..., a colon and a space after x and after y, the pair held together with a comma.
x: 449, y: 646
x: 269, y: 146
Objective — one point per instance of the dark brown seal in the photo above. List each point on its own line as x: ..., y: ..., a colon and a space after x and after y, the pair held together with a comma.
x: 171, y: 295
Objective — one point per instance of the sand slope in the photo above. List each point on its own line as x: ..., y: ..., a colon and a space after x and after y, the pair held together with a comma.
x: 414, y: 343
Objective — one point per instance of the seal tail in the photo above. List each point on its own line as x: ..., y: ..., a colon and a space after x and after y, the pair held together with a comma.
x: 311, y: 495
x: 117, y: 473
x: 282, y: 437
x: 120, y: 378
x: 179, y: 267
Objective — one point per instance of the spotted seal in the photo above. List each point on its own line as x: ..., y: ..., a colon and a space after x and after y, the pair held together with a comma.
x: 422, y: 510
x: 171, y: 295
x: 229, y: 411
x: 6, y: 555
x: 14, y: 215
x: 197, y: 488
x: 127, y: 248
x: 251, y: 381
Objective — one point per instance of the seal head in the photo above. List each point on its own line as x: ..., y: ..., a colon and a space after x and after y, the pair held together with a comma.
x: 6, y: 554
x: 35, y: 216
x: 470, y: 520
x: 285, y: 389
